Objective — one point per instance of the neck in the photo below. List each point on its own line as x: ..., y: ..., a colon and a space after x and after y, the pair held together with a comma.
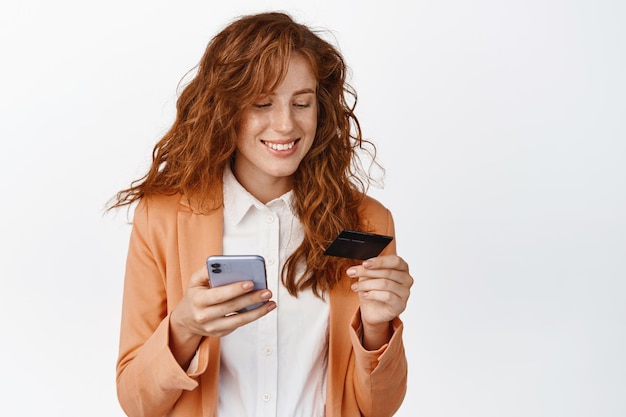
x: 265, y: 189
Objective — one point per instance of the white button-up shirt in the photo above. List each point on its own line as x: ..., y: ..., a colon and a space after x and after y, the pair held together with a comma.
x: 277, y: 365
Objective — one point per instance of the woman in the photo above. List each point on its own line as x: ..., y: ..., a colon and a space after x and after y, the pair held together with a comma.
x: 261, y: 159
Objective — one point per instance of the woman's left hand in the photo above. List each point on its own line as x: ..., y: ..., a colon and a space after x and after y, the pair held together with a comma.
x: 383, y: 285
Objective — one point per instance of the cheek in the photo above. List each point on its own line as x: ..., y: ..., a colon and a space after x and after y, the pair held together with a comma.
x: 309, y: 123
x: 247, y: 127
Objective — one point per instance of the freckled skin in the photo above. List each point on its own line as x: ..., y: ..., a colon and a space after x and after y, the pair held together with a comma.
x: 287, y: 116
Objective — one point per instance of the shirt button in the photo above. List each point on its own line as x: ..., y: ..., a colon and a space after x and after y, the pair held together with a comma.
x: 268, y: 351
x: 270, y: 261
x: 266, y: 397
x: 270, y: 219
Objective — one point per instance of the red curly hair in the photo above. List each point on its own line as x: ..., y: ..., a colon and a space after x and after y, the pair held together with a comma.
x: 248, y: 58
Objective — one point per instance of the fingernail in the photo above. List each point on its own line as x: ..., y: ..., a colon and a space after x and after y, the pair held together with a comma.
x: 247, y: 285
x: 354, y: 287
x: 368, y: 264
x: 271, y: 306
x: 266, y: 295
x: 351, y: 272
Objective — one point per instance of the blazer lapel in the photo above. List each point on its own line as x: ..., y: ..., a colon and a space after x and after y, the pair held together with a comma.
x: 199, y: 235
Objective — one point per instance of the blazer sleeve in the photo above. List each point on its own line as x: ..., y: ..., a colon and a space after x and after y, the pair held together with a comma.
x: 379, y: 377
x: 149, y: 379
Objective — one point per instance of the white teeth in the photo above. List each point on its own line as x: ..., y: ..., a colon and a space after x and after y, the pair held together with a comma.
x: 280, y: 146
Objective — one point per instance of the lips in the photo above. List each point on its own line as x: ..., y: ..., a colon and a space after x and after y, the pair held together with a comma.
x: 282, y: 146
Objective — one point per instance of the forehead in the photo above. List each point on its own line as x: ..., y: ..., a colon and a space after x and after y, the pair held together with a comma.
x: 299, y: 76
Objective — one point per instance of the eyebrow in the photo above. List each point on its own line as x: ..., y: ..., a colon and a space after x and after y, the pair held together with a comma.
x: 304, y: 91
x: 298, y: 92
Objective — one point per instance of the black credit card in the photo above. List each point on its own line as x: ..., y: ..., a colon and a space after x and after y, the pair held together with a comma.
x: 357, y: 245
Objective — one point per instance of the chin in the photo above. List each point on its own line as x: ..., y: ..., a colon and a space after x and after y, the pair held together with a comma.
x: 283, y: 173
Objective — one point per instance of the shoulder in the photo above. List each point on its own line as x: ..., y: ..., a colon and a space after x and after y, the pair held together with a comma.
x: 375, y: 216
x: 157, y: 211
x: 371, y: 205
x: 159, y: 205
x: 370, y: 208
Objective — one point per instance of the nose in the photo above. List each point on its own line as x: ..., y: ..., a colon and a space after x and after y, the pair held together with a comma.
x: 282, y: 120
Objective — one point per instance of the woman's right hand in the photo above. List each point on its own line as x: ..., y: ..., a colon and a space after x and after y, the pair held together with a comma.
x: 205, y: 311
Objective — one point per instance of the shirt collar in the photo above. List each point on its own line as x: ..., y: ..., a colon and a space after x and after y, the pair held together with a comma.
x: 238, y: 201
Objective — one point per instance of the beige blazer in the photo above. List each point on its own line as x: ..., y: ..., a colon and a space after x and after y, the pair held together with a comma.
x: 168, y: 242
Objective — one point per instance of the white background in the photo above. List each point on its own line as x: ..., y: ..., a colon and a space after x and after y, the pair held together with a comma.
x: 501, y: 125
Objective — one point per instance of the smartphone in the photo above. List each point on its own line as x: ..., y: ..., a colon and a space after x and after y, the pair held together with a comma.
x: 354, y: 244
x: 226, y: 269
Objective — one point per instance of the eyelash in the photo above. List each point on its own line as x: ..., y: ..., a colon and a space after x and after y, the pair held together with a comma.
x: 266, y: 105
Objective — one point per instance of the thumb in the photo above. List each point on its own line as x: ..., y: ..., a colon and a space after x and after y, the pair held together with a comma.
x: 200, y: 278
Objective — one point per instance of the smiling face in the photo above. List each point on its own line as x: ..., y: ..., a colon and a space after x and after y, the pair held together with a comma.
x: 276, y: 132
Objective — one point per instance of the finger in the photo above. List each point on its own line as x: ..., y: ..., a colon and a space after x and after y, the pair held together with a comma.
x: 227, y: 324
x: 237, y: 304
x: 225, y: 295
x: 362, y: 273
x: 390, y: 299
x: 200, y: 278
x: 386, y: 262
x: 392, y: 304
x: 381, y: 285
